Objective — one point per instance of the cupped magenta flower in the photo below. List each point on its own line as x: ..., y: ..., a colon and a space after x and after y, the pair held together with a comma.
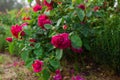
x: 17, y: 31
x: 37, y: 7
x: 9, y: 39
x: 49, y: 5
x: 58, y: 75
x: 81, y: 6
x: 37, y: 66
x: 42, y: 20
x: 61, y: 41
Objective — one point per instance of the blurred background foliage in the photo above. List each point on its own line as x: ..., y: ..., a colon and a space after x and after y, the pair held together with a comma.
x: 10, y: 4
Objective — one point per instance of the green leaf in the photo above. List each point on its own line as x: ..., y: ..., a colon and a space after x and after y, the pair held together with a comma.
x: 24, y: 55
x: 46, y: 74
x: 29, y: 62
x: 78, y: 1
x: 48, y: 26
x: 55, y: 64
x: 27, y: 31
x: 59, y: 21
x: 30, y: 1
x: 11, y: 48
x: 52, y: 34
x: 89, y: 14
x: 59, y: 53
x: 86, y: 44
x: 76, y: 40
x: 38, y: 52
x: 51, y: 68
x: 80, y: 14
x: 37, y: 45
x: 49, y: 1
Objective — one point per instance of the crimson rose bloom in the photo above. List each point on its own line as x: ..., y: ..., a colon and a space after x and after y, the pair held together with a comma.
x: 17, y: 30
x: 32, y: 40
x: 96, y: 8
x: 58, y: 75
x: 81, y: 6
x: 37, y: 7
x: 65, y: 27
x: 9, y: 39
x: 77, y: 50
x: 42, y: 20
x: 61, y: 41
x: 37, y: 66
x: 49, y: 5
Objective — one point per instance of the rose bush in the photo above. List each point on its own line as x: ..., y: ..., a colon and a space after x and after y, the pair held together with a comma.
x: 54, y: 29
x: 45, y: 35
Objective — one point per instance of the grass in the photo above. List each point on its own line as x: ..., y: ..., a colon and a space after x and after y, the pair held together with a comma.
x: 106, y: 45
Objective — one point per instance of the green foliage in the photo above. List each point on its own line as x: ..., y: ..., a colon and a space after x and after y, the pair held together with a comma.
x: 4, y: 32
x: 80, y: 14
x: 46, y: 74
x: 9, y: 5
x: 76, y: 40
x: 6, y: 20
x: 59, y: 53
x: 49, y: 1
x: 85, y: 27
x: 1, y: 59
x: 106, y: 44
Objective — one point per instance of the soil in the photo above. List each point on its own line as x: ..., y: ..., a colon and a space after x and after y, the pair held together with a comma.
x: 12, y: 68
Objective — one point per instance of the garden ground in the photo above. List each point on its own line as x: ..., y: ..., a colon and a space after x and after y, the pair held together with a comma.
x: 12, y: 68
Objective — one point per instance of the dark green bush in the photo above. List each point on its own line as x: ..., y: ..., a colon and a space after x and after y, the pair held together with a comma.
x: 106, y: 45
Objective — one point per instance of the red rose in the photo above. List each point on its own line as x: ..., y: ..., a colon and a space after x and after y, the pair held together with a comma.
x: 17, y: 31
x: 61, y: 41
x: 81, y: 6
x: 77, y: 50
x: 58, y: 75
x: 9, y: 39
x: 32, y: 40
x: 37, y: 66
x: 65, y: 27
x: 42, y: 20
x: 37, y: 7
x: 96, y: 8
x: 49, y: 5
x: 26, y: 18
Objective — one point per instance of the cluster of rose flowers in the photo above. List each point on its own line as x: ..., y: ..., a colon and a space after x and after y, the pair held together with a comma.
x: 60, y: 41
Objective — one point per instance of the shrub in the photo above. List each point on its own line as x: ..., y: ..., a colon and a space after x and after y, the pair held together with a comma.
x: 106, y: 44
x: 46, y: 41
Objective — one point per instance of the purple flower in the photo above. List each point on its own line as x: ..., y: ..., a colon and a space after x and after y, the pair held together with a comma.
x: 58, y: 75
